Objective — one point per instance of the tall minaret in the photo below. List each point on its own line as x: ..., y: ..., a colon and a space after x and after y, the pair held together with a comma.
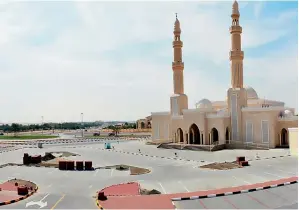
x: 179, y: 100
x: 177, y: 64
x: 236, y: 95
x: 236, y: 53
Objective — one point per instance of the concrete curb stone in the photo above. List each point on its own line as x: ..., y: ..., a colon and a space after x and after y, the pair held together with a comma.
x: 233, y: 192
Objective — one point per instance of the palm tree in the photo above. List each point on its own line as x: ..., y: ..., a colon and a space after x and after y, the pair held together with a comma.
x: 116, y: 130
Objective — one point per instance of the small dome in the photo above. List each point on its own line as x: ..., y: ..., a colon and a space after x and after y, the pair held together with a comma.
x: 251, y: 93
x: 288, y: 113
x: 204, y: 103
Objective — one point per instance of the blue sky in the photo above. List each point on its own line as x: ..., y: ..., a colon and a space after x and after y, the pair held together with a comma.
x: 112, y: 60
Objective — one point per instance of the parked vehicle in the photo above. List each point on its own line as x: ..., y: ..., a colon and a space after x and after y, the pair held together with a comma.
x: 96, y: 134
x: 111, y: 134
x: 1, y: 134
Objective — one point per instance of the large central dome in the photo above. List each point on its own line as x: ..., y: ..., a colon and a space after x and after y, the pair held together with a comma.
x: 251, y: 93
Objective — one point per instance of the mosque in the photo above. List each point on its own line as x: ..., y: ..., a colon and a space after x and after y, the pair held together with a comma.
x: 242, y: 119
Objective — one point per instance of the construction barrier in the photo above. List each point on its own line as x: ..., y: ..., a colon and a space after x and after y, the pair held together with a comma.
x: 22, y: 190
x: 88, y: 165
x: 240, y: 158
x: 62, y: 165
x: 70, y: 165
x: 79, y: 165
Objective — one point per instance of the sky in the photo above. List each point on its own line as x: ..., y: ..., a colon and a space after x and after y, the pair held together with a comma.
x: 112, y: 60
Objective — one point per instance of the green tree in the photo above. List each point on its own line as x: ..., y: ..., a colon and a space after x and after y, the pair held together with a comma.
x: 15, y: 128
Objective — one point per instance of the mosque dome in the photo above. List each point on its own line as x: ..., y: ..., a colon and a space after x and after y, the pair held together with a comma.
x: 251, y: 93
x: 204, y: 103
x: 288, y: 113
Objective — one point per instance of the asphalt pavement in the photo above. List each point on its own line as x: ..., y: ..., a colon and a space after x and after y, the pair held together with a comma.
x: 285, y: 197
x: 167, y: 175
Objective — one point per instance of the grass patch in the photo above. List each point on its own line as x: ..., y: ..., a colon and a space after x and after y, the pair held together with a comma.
x: 27, y: 137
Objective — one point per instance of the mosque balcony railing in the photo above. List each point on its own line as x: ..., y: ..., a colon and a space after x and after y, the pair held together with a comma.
x: 236, y: 54
x: 177, y: 64
x: 287, y: 118
x: 235, y: 29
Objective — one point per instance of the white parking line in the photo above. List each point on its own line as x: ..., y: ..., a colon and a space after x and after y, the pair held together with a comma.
x: 274, y: 175
x: 162, y: 188
x: 111, y: 172
x: 96, y: 172
x: 183, y: 186
x: 241, y: 180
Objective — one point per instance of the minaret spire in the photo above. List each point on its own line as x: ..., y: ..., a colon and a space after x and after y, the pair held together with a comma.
x: 177, y: 64
x: 236, y: 53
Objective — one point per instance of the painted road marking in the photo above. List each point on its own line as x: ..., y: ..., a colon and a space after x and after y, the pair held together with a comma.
x: 111, y: 172
x: 62, y: 197
x: 274, y: 175
x: 183, y: 186
x: 241, y: 180
x: 50, y: 185
x: 90, y: 186
x: 96, y: 172
x: 162, y: 188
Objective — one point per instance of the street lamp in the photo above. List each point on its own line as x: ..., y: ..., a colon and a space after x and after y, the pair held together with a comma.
x: 82, y: 124
x: 42, y: 124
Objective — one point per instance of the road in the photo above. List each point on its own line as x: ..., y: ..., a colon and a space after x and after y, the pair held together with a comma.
x: 167, y: 176
x: 285, y: 197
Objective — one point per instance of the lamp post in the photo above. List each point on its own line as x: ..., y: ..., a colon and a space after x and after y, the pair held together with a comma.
x: 82, y: 124
x: 42, y: 124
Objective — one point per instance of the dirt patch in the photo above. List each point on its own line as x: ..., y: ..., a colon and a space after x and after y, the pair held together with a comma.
x: 63, y: 154
x: 149, y: 192
x: 222, y: 166
x: 23, y: 182
x: 133, y: 169
x: 138, y: 171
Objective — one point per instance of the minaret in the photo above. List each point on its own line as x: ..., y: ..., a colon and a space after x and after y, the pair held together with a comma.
x: 236, y: 54
x: 236, y: 95
x: 177, y: 64
x: 179, y: 100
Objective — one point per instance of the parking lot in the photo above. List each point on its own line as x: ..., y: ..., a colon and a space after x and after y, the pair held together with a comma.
x: 167, y: 176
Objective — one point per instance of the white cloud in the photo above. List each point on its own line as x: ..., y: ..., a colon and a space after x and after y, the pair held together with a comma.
x: 74, y: 74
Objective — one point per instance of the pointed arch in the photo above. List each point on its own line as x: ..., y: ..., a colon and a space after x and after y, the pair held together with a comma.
x: 194, y: 134
x: 227, y: 135
x: 180, y: 135
x: 284, y: 137
x: 215, y: 135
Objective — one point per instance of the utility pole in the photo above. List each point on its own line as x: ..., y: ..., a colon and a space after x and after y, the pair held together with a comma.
x: 82, y: 125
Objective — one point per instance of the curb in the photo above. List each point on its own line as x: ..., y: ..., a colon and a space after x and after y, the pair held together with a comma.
x: 19, y: 199
x: 177, y: 158
x: 99, y: 205
x: 233, y: 192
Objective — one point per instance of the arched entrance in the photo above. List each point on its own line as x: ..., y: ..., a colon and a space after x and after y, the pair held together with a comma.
x: 194, y: 134
x: 180, y: 135
x: 142, y: 125
x: 227, y: 135
x: 215, y: 136
x: 284, y: 137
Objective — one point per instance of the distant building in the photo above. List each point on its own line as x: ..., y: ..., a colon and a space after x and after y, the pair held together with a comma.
x: 145, y: 123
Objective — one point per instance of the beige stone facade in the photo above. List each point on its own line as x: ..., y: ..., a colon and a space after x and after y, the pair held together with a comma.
x: 243, y: 118
x: 145, y: 123
x: 293, y: 141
